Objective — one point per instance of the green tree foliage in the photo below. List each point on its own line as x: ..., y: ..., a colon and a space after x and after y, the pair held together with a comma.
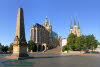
x: 71, y: 40
x: 4, y: 49
x: 32, y: 46
x: 10, y: 47
x: 81, y: 43
x: 91, y: 42
x: 98, y: 43
x: 65, y: 48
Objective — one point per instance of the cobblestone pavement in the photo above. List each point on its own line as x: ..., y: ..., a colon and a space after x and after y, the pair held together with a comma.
x: 58, y: 60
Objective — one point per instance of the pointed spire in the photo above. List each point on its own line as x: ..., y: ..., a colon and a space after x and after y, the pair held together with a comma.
x: 49, y: 22
x: 20, y: 30
x: 78, y: 25
x: 46, y: 19
x: 74, y: 21
x: 71, y: 24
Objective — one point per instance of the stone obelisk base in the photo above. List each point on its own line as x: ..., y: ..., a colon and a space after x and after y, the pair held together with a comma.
x: 19, y: 52
x: 13, y: 57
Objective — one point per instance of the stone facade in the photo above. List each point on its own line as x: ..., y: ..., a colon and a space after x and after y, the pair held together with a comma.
x: 64, y: 41
x: 75, y: 29
x: 0, y: 48
x: 42, y: 36
x: 48, y: 26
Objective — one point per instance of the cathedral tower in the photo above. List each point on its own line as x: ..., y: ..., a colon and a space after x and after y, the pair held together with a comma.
x: 75, y: 29
x: 48, y: 26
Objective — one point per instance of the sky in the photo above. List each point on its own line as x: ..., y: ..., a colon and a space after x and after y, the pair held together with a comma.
x: 59, y: 12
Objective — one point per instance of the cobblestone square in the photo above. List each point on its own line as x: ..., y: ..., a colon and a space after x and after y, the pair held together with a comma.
x: 55, y: 60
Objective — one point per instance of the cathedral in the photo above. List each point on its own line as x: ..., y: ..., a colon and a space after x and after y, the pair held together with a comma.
x: 43, y: 36
x: 75, y: 29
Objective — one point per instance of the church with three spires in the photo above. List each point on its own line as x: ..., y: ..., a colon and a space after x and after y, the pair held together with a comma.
x: 75, y: 29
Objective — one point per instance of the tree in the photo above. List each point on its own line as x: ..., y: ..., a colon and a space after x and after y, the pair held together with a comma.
x: 90, y: 42
x: 93, y: 42
x: 80, y: 42
x: 11, y: 47
x: 4, y: 49
x: 98, y: 43
x: 65, y: 48
x: 71, y: 40
x: 84, y: 42
x: 0, y: 46
x: 32, y: 46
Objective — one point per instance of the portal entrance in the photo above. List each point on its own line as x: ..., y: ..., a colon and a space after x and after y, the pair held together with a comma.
x: 44, y: 47
x: 39, y: 47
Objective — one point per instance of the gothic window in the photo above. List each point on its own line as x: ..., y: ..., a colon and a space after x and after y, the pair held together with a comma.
x: 34, y: 35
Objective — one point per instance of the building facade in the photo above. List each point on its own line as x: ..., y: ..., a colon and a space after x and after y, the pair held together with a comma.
x: 64, y: 41
x: 42, y: 36
x: 39, y: 35
x: 75, y: 29
x: 0, y: 48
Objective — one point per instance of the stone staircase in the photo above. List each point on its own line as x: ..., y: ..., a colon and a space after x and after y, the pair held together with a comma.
x: 54, y: 50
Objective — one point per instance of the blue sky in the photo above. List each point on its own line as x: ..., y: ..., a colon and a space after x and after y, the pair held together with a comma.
x: 59, y: 12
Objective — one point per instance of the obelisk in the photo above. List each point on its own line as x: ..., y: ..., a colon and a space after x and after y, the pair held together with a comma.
x: 20, y: 44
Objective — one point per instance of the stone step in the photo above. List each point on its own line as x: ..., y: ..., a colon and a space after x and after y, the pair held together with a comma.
x: 54, y: 50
